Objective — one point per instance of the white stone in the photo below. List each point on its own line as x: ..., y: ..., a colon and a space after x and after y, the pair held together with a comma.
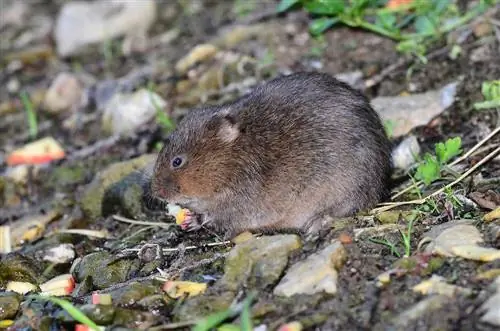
x: 124, y: 113
x: 81, y: 23
x: 317, y: 273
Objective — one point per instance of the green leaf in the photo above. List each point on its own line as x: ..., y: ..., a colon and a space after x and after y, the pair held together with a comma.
x: 30, y: 114
x: 325, y: 7
x: 321, y: 24
x: 73, y: 311
x: 284, y: 5
x: 448, y: 150
x: 214, y: 319
x: 491, y: 90
x: 429, y: 170
x: 246, y: 320
x: 424, y: 25
x: 386, y: 20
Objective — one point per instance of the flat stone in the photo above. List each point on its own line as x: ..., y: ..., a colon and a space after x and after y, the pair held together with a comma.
x: 492, y: 306
x: 407, y: 112
x: 258, y: 261
x: 317, y: 273
x: 444, y: 238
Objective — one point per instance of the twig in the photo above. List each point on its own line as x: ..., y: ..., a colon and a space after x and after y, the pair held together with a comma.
x: 170, y: 273
x: 89, y: 150
x: 458, y: 160
x: 130, y: 221
x: 390, y: 205
x: 175, y: 249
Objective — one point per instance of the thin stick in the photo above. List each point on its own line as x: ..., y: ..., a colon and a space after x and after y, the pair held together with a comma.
x: 473, y: 149
x: 169, y: 250
x: 388, y: 206
x: 458, y: 160
x: 128, y: 220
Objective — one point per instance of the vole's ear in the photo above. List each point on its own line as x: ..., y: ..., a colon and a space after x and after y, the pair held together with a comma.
x: 229, y: 128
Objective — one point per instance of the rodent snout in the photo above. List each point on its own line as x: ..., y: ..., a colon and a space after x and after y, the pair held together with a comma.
x: 164, y: 188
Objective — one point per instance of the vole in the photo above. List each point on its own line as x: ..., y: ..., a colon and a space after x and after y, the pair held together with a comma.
x: 281, y: 157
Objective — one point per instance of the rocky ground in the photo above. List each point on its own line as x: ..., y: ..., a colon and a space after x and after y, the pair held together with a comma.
x: 98, y: 108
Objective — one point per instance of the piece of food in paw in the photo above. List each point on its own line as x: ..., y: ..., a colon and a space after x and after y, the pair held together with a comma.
x: 183, y: 216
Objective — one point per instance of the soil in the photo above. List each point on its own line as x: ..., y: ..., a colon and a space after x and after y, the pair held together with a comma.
x: 359, y: 304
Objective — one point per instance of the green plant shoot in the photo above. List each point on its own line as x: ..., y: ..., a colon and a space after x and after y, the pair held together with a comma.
x: 430, y: 168
x: 73, y: 311
x: 491, y: 94
x: 30, y: 114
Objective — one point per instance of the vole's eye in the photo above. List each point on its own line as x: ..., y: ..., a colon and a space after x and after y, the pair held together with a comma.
x: 177, y: 162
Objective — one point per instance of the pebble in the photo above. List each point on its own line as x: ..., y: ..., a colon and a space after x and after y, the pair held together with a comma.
x: 406, y: 153
x: 317, y: 273
x: 437, y: 285
x: 200, y: 53
x: 125, y: 113
x: 64, y: 93
x: 63, y: 253
x: 441, y: 238
x: 408, y: 112
x: 492, y: 306
x: 9, y: 305
x: 258, y: 261
x: 82, y: 23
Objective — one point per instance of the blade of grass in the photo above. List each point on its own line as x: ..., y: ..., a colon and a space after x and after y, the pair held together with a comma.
x: 246, y: 320
x: 30, y: 114
x: 73, y: 311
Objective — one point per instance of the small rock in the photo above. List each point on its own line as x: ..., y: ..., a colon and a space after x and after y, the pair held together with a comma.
x: 100, y: 314
x: 64, y: 93
x: 19, y: 174
x: 484, y: 53
x: 419, y: 311
x: 131, y: 294
x: 353, y: 78
x: 377, y: 231
x: 15, y: 14
x: 492, y: 306
x: 117, y: 178
x: 19, y: 268
x: 124, y: 113
x: 31, y: 227
x: 200, y: 53
x: 492, y: 215
x: 110, y: 271
x: 236, y: 35
x: 9, y: 305
x: 13, y: 86
x: 64, y: 253
x: 408, y: 112
x: 444, y: 238
x: 258, y: 261
x: 437, y: 285
x: 315, y: 274
x: 81, y: 23
x: 393, y: 216
x: 255, y: 263
x: 487, y: 200
x: 406, y: 153
x: 482, y: 29
x: 476, y: 253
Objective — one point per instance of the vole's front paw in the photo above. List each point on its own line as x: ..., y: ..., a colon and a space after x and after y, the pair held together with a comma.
x: 191, y: 222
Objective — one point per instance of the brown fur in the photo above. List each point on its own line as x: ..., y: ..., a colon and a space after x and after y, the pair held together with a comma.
x: 296, y: 148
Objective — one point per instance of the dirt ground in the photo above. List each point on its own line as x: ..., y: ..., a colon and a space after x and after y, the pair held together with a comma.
x: 284, y: 45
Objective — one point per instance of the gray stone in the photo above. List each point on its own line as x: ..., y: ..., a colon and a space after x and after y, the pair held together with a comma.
x: 315, y: 274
